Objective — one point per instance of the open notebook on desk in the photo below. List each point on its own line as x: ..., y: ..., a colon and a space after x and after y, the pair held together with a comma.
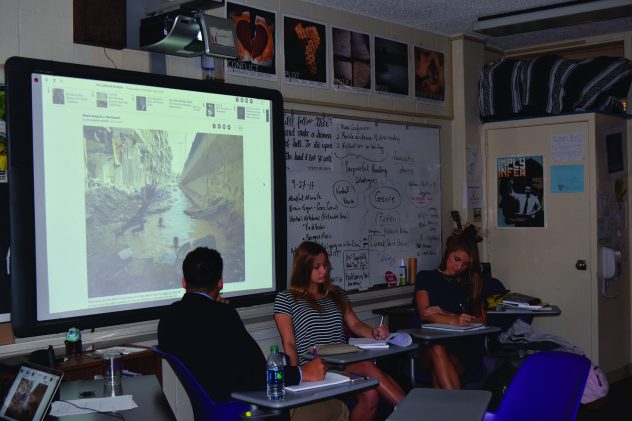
x: 330, y: 379
x: 398, y: 338
x: 454, y: 328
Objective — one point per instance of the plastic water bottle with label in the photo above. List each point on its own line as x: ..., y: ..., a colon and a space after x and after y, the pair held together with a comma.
x: 276, y: 374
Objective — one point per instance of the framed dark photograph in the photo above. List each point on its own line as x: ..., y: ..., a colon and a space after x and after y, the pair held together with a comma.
x: 391, y: 67
x: 305, y: 44
x: 351, y: 60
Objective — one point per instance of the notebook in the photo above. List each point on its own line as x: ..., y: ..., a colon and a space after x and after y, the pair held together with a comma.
x: 31, y: 393
x: 454, y: 328
x: 330, y: 379
x: 399, y: 339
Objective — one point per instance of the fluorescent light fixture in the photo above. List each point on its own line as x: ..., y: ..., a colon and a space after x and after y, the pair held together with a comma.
x: 552, y: 16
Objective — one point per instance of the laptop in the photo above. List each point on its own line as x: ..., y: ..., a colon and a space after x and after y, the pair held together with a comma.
x: 31, y: 393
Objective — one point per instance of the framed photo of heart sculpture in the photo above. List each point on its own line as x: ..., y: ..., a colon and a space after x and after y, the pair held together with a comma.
x: 256, y: 42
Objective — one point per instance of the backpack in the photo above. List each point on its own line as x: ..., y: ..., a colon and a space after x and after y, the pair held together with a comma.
x: 596, y: 386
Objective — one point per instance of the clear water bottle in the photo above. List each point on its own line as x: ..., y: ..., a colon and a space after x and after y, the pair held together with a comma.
x: 275, y: 374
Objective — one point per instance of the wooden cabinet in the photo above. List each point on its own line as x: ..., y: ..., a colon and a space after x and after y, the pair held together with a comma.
x: 553, y: 251
x: 85, y: 367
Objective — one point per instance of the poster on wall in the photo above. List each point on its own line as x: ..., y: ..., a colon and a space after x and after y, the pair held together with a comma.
x: 256, y: 42
x: 429, y: 75
x: 352, y: 60
x: 305, y: 44
x: 520, y: 182
x: 391, y: 67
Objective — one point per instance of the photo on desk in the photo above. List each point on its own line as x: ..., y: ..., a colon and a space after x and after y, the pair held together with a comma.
x: 520, y: 183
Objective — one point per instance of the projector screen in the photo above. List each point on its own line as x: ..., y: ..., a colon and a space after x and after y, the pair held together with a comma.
x: 128, y: 173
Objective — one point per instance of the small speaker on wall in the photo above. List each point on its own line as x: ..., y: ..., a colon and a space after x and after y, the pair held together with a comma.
x: 101, y: 23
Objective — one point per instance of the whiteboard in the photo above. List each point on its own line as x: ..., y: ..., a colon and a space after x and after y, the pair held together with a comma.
x: 369, y: 192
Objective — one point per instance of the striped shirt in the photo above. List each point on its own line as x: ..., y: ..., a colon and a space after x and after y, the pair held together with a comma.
x: 311, y: 327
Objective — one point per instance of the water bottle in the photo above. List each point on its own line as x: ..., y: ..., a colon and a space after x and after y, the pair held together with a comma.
x: 275, y: 375
x: 402, y: 273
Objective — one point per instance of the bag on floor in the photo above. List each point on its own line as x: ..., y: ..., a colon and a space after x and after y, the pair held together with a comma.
x: 596, y: 386
x: 498, y: 381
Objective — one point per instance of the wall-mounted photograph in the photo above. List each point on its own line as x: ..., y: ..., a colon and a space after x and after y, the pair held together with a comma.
x: 391, y: 67
x: 352, y: 60
x: 305, y: 44
x: 520, y: 191
x: 256, y: 41
x: 429, y: 74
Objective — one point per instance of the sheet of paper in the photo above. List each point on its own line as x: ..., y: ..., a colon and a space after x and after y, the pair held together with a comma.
x: 567, y: 178
x: 331, y: 378
x: 87, y: 406
x: 567, y: 147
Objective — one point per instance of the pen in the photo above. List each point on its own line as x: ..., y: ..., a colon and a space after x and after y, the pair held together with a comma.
x: 314, y: 352
x: 359, y: 376
x: 462, y: 308
x: 381, y: 320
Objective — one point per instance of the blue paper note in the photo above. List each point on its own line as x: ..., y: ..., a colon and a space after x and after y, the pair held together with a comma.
x: 567, y: 178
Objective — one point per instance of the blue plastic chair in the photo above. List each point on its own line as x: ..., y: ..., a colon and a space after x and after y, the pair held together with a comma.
x: 204, y: 408
x: 547, y: 387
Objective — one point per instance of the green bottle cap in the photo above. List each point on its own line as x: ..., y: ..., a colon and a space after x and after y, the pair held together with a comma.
x: 274, y: 348
x: 73, y: 335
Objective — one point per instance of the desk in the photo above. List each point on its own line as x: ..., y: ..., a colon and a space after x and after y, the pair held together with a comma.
x: 440, y: 405
x: 554, y: 311
x: 428, y: 336
x: 84, y: 367
x: 293, y: 399
x: 145, y: 390
x: 341, y: 360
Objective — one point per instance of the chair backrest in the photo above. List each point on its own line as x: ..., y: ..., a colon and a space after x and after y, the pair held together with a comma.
x: 547, y: 386
x: 204, y: 408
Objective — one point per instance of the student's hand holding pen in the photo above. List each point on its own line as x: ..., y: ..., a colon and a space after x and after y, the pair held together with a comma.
x: 381, y: 332
x: 464, y: 319
x: 314, y: 370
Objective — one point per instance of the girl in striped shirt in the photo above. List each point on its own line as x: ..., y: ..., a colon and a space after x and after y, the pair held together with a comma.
x: 314, y: 311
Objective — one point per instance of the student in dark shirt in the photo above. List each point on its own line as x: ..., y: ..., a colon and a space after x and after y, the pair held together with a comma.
x: 452, y: 294
x: 208, y: 336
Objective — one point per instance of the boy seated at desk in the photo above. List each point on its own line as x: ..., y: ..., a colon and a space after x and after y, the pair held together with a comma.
x: 208, y: 336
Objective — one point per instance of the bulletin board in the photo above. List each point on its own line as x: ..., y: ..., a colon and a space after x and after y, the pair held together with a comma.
x: 368, y: 191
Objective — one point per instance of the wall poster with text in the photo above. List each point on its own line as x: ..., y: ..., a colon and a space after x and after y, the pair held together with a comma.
x: 305, y: 45
x: 256, y: 42
x: 429, y: 74
x: 520, y: 191
x: 352, y: 60
x: 391, y: 67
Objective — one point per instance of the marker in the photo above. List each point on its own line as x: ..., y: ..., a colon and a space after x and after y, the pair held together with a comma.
x: 314, y: 351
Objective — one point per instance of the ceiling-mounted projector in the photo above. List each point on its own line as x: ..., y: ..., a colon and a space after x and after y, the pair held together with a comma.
x: 186, y: 31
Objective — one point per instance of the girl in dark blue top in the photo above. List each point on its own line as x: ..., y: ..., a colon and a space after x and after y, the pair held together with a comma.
x: 452, y: 294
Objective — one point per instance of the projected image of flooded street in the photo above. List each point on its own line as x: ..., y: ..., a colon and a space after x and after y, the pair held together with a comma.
x: 151, y: 197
